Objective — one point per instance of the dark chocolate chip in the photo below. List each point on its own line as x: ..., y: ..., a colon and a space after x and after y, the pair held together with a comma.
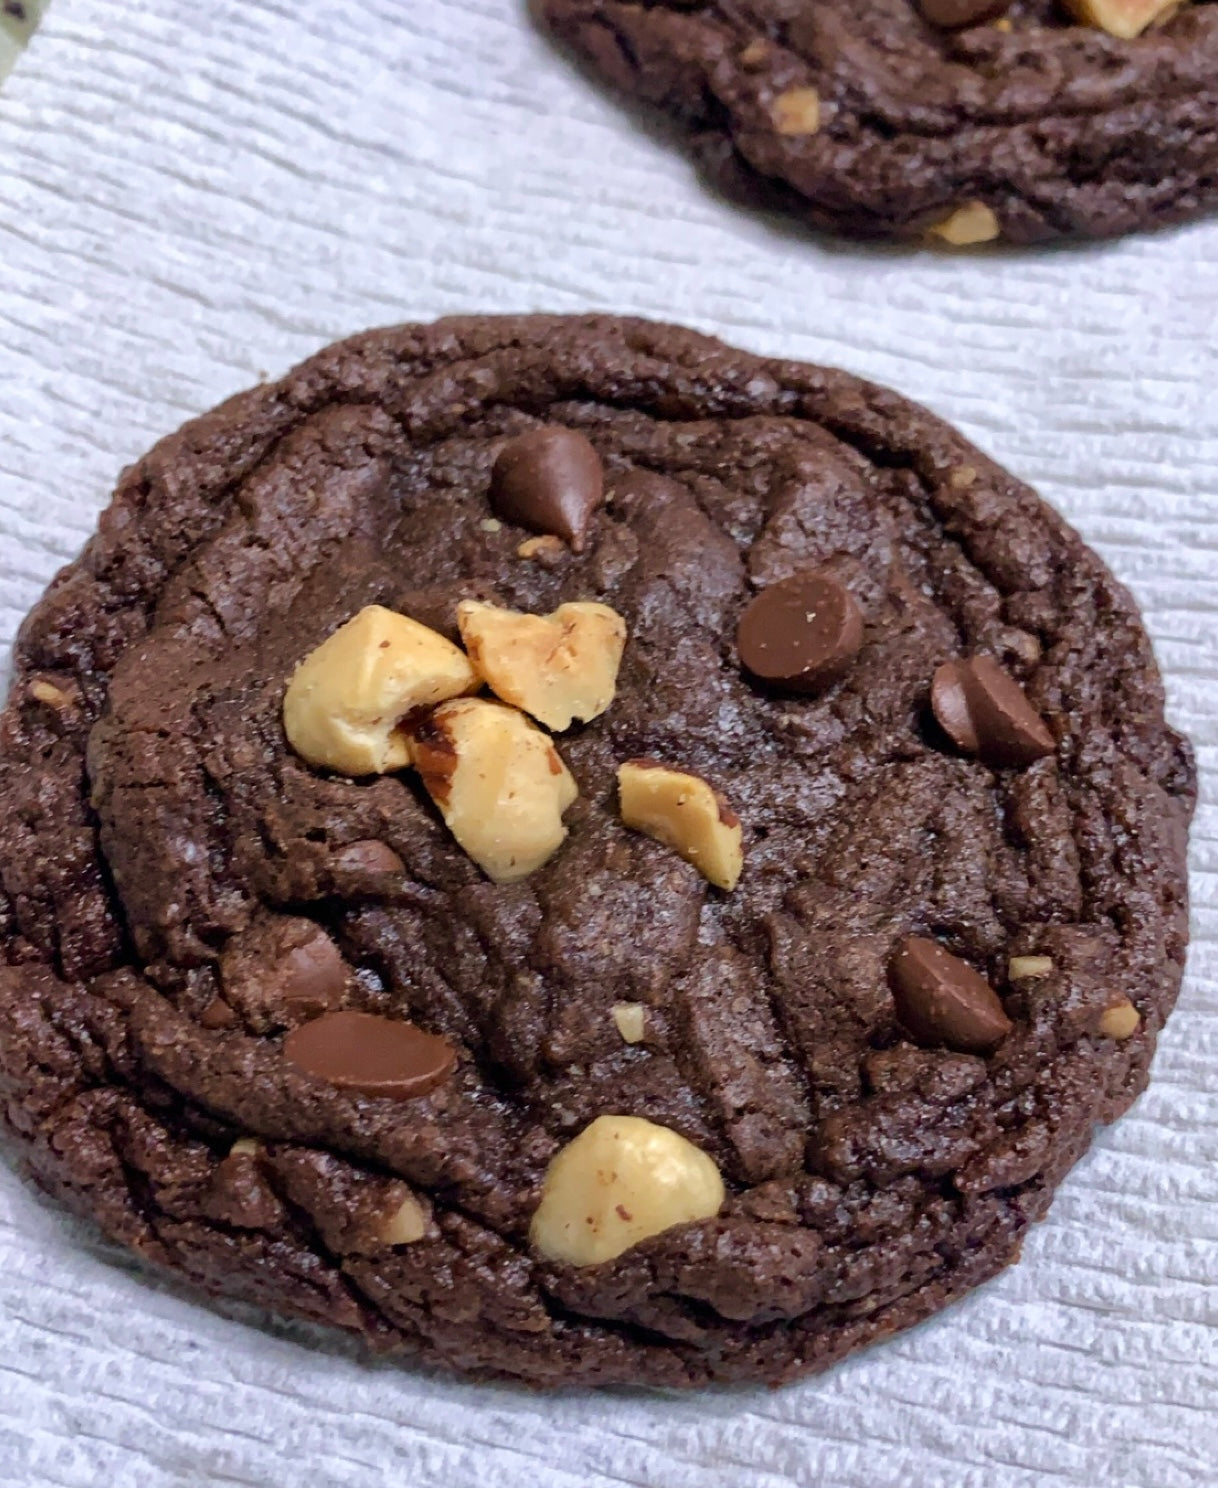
x: 549, y: 480
x: 218, y: 1014
x: 983, y: 711
x: 374, y: 1055
x: 942, y: 1000
x: 801, y: 634
x: 368, y: 856
x: 313, y: 975
x: 954, y: 15
x: 282, y: 970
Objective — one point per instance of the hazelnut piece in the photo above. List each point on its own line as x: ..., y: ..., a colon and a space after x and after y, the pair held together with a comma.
x: 1029, y: 968
x: 1121, y: 1021
x: 1123, y: 18
x: 406, y: 1225
x: 797, y: 111
x: 631, y: 1021
x: 683, y: 812
x: 346, y: 700
x: 622, y: 1180
x: 968, y: 226
x: 558, y: 667
x: 498, y: 782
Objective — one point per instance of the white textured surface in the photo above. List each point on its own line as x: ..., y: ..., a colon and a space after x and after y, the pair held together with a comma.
x: 191, y: 195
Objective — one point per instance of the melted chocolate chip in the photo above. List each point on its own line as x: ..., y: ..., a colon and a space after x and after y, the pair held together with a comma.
x: 942, y: 1000
x: 370, y: 1054
x: 801, y: 634
x: 549, y: 480
x: 983, y: 711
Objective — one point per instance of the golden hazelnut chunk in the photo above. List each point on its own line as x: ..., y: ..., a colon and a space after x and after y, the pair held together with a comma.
x: 631, y: 1021
x: 1123, y: 18
x: 684, y: 813
x: 1121, y: 1021
x: 968, y: 225
x: 406, y: 1225
x: 498, y: 782
x: 622, y: 1180
x: 797, y: 111
x: 1029, y: 968
x: 558, y: 667
x: 346, y: 700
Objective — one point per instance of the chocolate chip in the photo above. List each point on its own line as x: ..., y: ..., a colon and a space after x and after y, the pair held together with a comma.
x: 281, y: 971
x: 954, y: 15
x: 983, y: 711
x: 368, y: 856
x: 218, y: 1014
x: 374, y: 1055
x: 801, y: 634
x: 549, y: 480
x: 942, y: 1000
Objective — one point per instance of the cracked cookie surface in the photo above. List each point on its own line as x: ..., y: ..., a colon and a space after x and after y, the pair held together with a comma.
x: 180, y: 893
x: 869, y: 120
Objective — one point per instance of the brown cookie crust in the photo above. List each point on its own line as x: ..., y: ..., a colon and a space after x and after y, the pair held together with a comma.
x: 158, y: 837
x: 1060, y: 130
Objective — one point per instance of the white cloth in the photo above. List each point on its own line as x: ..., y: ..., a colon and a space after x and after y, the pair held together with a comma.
x: 195, y: 195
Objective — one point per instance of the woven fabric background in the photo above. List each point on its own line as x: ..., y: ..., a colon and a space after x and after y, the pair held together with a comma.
x: 194, y: 196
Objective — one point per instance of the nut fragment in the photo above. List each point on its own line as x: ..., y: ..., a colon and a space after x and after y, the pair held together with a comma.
x: 968, y: 225
x: 557, y: 667
x: 797, y: 111
x: 1123, y: 18
x: 406, y: 1225
x: 245, y: 1147
x: 498, y: 782
x: 48, y: 693
x: 544, y: 550
x: 683, y: 812
x: 622, y: 1180
x: 1029, y: 968
x: 631, y: 1020
x: 346, y: 700
x: 1121, y: 1021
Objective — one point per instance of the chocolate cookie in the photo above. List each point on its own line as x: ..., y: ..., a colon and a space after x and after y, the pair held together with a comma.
x: 968, y: 120
x: 581, y: 855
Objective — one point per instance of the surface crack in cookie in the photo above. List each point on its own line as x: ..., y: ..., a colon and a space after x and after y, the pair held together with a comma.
x: 867, y: 1179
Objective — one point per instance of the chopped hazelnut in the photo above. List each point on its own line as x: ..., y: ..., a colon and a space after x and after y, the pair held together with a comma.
x: 406, y: 1225
x: 797, y: 111
x: 631, y: 1020
x: 345, y: 703
x: 968, y: 225
x: 1123, y: 18
x: 685, y: 813
x: 558, y: 667
x: 1120, y: 1021
x: 544, y: 549
x: 621, y: 1181
x: 498, y: 782
x: 1029, y: 968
